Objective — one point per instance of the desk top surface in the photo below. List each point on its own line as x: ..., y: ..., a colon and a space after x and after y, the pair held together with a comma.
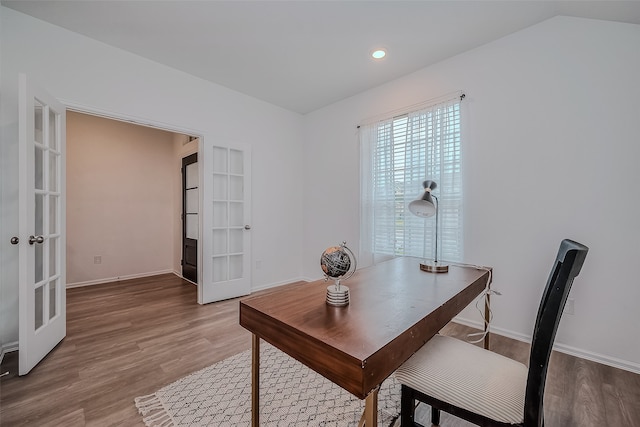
x: 394, y: 309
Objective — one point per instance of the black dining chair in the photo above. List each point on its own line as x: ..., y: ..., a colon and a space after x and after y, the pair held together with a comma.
x: 482, y: 387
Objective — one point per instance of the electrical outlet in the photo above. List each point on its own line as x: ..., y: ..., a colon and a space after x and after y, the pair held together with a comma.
x: 570, y: 307
x: 97, y: 259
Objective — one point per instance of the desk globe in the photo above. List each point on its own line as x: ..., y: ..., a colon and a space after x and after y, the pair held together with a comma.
x: 338, y: 263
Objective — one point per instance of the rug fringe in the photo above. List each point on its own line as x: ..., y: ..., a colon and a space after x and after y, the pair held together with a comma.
x: 148, y: 403
x: 160, y: 419
x: 151, y: 403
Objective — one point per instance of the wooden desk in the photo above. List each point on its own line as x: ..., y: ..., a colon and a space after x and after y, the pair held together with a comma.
x: 395, y: 308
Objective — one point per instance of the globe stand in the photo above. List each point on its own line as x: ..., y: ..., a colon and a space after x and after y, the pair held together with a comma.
x: 338, y: 263
x: 337, y: 295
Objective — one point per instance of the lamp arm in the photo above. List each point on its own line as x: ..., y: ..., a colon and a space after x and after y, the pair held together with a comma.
x: 437, y: 226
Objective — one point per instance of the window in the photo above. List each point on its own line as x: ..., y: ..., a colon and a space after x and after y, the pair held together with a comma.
x: 397, y: 155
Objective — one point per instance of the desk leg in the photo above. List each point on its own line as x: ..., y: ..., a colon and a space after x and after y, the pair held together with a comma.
x: 255, y: 381
x: 370, y: 415
x: 487, y: 316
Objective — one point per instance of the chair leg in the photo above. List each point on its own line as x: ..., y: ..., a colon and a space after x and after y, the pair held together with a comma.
x: 407, y: 407
x: 435, y: 416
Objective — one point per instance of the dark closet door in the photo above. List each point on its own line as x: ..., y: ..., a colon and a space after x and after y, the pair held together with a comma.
x: 190, y: 222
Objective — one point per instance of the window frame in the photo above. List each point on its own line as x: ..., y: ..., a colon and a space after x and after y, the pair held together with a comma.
x: 431, y: 146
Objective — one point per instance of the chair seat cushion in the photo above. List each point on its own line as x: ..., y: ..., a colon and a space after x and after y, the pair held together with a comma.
x: 468, y: 377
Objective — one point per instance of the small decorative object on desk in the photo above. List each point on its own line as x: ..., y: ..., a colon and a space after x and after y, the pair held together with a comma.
x: 338, y: 263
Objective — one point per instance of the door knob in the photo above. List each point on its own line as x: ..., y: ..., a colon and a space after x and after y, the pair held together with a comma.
x: 15, y: 240
x: 247, y: 227
x: 33, y: 239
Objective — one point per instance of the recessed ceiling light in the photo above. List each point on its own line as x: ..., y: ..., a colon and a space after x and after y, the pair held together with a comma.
x: 378, y: 54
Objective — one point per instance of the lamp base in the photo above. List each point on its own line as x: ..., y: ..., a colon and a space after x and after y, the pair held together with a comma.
x: 434, y: 267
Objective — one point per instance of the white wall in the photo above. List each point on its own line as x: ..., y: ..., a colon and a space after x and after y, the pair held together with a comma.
x: 84, y: 72
x: 552, y: 118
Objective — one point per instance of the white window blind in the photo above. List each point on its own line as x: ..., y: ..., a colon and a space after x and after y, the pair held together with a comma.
x: 397, y: 155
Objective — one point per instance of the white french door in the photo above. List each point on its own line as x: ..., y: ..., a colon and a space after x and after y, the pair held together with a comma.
x: 226, y: 237
x: 42, y: 296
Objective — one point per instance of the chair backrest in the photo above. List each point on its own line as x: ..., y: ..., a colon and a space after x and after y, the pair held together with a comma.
x: 567, y: 265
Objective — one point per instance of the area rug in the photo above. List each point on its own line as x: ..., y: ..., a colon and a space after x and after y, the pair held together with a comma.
x: 290, y: 395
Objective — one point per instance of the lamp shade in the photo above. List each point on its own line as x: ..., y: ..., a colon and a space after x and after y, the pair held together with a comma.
x: 424, y: 206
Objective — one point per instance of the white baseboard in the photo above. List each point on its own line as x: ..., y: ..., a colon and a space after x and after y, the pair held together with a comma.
x: 183, y: 278
x: 118, y: 278
x: 562, y: 348
x: 8, y: 348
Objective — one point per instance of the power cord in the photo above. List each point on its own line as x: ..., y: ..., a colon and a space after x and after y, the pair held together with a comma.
x: 487, y: 291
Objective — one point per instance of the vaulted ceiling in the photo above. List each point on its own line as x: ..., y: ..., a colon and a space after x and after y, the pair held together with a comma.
x: 303, y: 55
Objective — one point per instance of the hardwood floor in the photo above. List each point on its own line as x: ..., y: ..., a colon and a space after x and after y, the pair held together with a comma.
x: 130, y: 338
x: 123, y: 340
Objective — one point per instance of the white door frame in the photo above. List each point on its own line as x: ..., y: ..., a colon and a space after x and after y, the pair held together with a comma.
x: 81, y: 108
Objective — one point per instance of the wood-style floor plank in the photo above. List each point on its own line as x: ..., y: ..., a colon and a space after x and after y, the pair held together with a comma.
x: 124, y: 340
x: 130, y: 338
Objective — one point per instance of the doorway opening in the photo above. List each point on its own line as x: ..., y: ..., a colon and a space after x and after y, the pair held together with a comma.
x: 125, y: 200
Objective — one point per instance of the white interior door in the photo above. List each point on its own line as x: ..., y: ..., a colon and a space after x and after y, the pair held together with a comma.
x: 226, y: 241
x: 42, y: 296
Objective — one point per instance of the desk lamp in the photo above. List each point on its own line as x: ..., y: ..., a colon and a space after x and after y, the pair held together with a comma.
x: 425, y: 207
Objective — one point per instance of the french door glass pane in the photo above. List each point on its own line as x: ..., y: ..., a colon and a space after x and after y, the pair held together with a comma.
x: 191, y: 176
x: 53, y: 171
x: 53, y: 134
x: 39, y: 307
x: 38, y: 125
x: 219, y: 242
x: 39, y: 215
x: 235, y: 267
x: 220, y: 214
x: 192, y: 200
x: 235, y: 240
x: 236, y: 214
x: 38, y: 167
x: 220, y: 187
x: 39, y: 263
x: 235, y: 188
x: 53, y: 300
x: 192, y: 226
x: 53, y: 214
x: 236, y: 162
x: 219, y: 160
x: 219, y: 269
x: 53, y: 254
